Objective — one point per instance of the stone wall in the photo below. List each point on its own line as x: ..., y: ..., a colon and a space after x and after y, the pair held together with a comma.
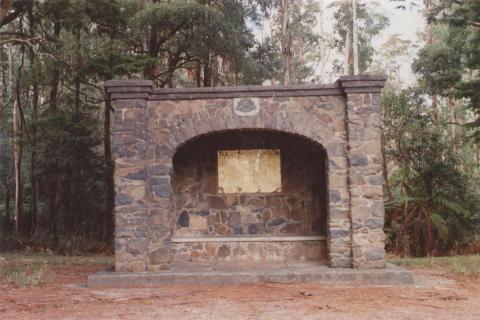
x: 152, y: 125
x: 271, y: 252
x: 299, y: 209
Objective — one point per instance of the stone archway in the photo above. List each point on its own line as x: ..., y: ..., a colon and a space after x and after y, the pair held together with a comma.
x: 287, y: 224
x: 152, y: 124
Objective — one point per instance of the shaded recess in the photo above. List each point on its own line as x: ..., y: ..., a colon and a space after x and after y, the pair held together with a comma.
x: 299, y: 209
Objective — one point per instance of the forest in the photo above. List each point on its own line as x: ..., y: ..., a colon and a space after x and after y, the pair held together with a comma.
x: 56, y: 160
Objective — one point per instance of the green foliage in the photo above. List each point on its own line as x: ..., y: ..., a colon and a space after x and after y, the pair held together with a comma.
x: 70, y: 47
x: 68, y: 157
x: 192, y: 34
x: 432, y: 203
x: 439, y: 65
x: 464, y: 16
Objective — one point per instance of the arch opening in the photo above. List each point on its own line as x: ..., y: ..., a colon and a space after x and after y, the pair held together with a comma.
x: 288, y: 223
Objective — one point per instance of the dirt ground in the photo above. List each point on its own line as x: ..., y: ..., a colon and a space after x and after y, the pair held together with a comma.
x: 438, y: 294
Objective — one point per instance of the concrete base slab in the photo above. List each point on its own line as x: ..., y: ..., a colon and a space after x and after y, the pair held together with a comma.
x: 225, y: 273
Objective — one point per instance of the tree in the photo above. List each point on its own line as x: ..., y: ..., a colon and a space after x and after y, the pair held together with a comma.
x: 432, y: 204
x: 465, y: 16
x: 294, y: 42
x: 52, y: 97
x: 369, y: 23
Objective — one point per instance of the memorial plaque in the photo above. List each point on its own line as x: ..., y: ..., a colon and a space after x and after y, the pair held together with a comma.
x: 249, y: 171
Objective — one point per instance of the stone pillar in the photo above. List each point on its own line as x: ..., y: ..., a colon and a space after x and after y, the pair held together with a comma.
x: 362, y: 95
x: 129, y: 144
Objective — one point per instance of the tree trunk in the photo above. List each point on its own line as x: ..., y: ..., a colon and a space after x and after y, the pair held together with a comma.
x: 52, y: 108
x: 52, y: 104
x: 286, y: 40
x: 54, y: 206
x: 17, y: 147
x: 349, y: 37
x: 453, y: 122
x: 7, y: 209
x: 17, y: 156
x: 477, y: 154
x: 198, y: 75
x: 33, y: 158
x: 109, y: 169
x: 477, y: 151
x: 355, y: 38
x: 385, y: 166
x: 429, y: 36
x: 3, y: 116
x: 207, y: 74
x: 149, y: 71
x: 73, y: 178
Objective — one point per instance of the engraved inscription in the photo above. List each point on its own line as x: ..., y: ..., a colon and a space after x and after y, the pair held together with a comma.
x: 249, y: 171
x: 245, y: 107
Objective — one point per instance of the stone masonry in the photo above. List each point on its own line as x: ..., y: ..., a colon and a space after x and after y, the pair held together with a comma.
x: 157, y: 131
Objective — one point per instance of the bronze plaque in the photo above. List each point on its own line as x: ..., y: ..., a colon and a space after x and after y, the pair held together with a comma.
x: 249, y: 171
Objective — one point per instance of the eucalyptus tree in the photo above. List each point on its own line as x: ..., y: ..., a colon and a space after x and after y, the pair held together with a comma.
x: 369, y: 23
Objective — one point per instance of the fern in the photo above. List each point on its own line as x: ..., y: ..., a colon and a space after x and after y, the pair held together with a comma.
x: 453, y: 205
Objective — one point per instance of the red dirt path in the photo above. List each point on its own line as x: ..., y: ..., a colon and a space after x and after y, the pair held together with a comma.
x: 438, y: 295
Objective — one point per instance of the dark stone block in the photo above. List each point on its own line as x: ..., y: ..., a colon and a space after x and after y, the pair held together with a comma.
x: 202, y: 213
x: 223, y: 251
x: 234, y: 219
x: 183, y: 219
x: 123, y: 199
x: 136, y: 246
x: 335, y: 196
x: 276, y: 222
x: 358, y: 160
x: 257, y: 228
x: 140, y: 175
x: 375, y: 254
x: 140, y: 148
x: 338, y: 233
x: 162, y: 190
x: 375, y: 180
x: 118, y: 245
x: 160, y: 255
x: 374, y: 223
x: 161, y: 186
x: 123, y: 152
x: 237, y: 230
x: 159, y: 170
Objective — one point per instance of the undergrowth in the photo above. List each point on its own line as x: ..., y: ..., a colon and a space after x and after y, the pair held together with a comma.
x: 469, y: 264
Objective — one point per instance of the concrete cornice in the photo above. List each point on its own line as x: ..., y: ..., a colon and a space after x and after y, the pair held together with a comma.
x: 143, y: 89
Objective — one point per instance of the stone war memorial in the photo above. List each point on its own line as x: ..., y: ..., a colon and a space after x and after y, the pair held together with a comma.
x: 248, y: 184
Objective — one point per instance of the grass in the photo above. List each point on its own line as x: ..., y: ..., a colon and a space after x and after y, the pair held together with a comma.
x: 29, y: 269
x: 32, y: 269
x: 469, y: 264
x: 30, y: 276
